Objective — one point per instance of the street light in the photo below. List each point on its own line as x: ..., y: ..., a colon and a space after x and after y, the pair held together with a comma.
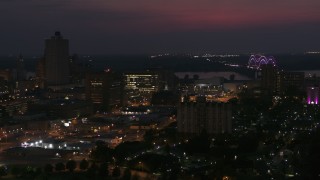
x: 141, y: 165
x: 114, y: 161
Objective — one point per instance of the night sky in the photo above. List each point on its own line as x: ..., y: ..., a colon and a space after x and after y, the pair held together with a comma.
x: 157, y: 26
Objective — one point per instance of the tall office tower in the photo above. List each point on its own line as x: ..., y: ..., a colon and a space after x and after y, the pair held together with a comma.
x: 57, y: 60
x: 269, y: 77
x: 213, y: 117
x: 41, y: 69
x: 21, y: 73
x: 104, y: 90
x: 144, y: 82
x: 139, y: 87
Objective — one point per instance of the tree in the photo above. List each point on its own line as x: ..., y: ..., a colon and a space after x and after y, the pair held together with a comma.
x: 248, y: 143
x: 37, y: 171
x: 3, y: 171
x: 101, y: 152
x: 126, y: 174
x: 29, y: 172
x: 128, y: 148
x: 233, y: 100
x: 16, y: 171
x: 92, y: 170
x: 199, y: 144
x: 48, y: 168
x: 71, y: 165
x: 167, y: 148
x: 116, y: 172
x: 135, y: 177
x: 60, y: 167
x: 103, y: 170
x: 149, y: 136
x: 84, y: 164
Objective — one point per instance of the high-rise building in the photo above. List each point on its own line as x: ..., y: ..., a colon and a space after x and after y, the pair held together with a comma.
x: 142, y: 81
x: 21, y: 73
x: 104, y: 90
x: 56, y: 60
x: 290, y: 82
x: 139, y: 87
x: 40, y: 69
x: 213, y: 117
x: 268, y: 77
x: 166, y: 78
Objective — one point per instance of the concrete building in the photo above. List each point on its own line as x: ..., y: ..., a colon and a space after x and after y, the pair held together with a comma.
x: 290, y: 81
x: 56, y: 60
x: 104, y: 90
x: 139, y: 87
x: 5, y: 74
x: 269, y: 78
x: 9, y: 108
x: 21, y: 72
x: 212, y: 86
x: 41, y: 68
x: 166, y: 77
x: 213, y: 117
x: 61, y: 108
x: 72, y: 93
x: 142, y: 81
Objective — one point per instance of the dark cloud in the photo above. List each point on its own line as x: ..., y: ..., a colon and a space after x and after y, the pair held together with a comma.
x: 143, y: 26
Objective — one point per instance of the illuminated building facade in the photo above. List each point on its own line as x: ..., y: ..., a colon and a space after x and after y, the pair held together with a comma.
x: 213, y: 117
x: 139, y: 87
x: 212, y: 86
x: 142, y: 82
x: 312, y: 95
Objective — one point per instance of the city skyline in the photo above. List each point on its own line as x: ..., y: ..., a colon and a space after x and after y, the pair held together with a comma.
x: 157, y: 90
x: 118, y: 27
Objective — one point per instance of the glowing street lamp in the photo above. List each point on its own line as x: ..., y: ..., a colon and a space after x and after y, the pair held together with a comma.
x: 141, y: 165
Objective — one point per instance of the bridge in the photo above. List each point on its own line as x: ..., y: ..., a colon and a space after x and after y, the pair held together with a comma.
x: 256, y: 61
